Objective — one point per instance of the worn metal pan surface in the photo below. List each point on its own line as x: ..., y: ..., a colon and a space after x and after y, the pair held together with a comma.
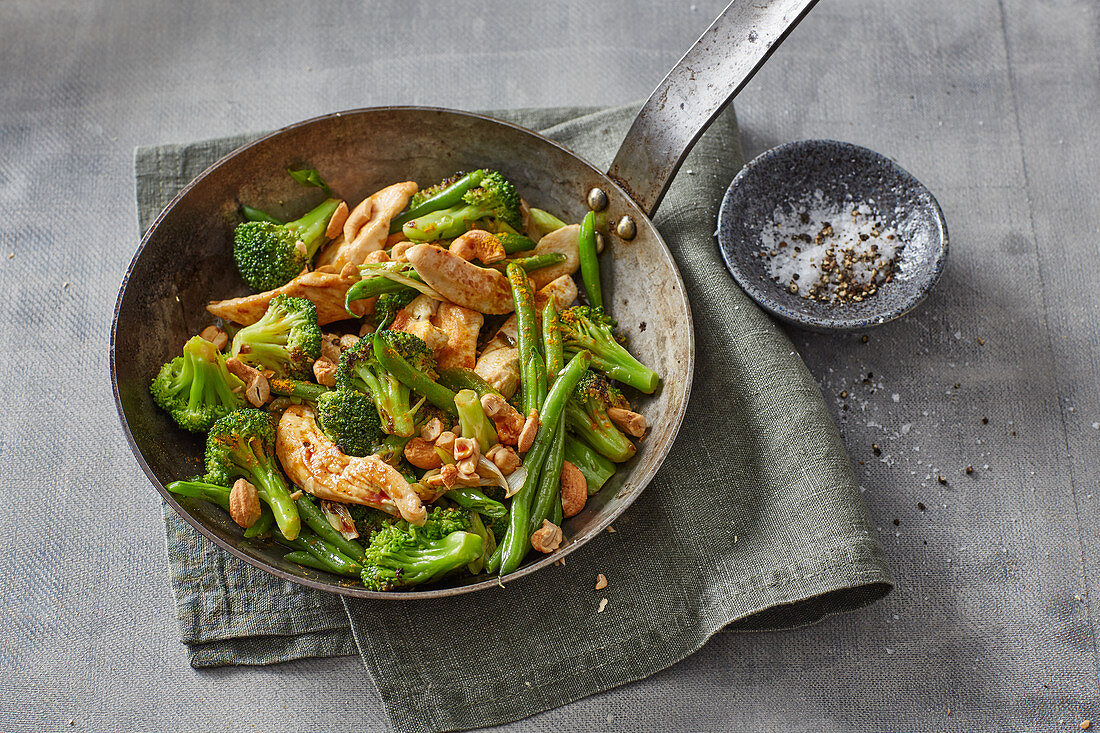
x: 185, y: 259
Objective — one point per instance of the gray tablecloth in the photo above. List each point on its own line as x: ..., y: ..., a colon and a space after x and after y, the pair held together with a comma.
x: 992, y: 103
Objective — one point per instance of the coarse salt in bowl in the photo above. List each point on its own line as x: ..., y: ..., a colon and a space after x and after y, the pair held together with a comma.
x: 830, y: 236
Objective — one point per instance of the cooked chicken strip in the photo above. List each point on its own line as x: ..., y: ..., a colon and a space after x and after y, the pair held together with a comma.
x: 325, y: 289
x: 368, y: 226
x: 500, y: 368
x: 479, y: 288
x: 313, y: 462
x: 462, y: 327
x: 416, y: 318
x: 566, y: 241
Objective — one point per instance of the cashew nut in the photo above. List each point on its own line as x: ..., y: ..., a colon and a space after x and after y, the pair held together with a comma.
x: 480, y: 245
x: 257, y: 391
x: 324, y: 371
x: 574, y: 490
x: 216, y: 336
x: 565, y: 241
x: 547, y: 538
x: 336, y: 224
x: 628, y: 421
x: 244, y: 503
x: 527, y: 434
x: 506, y: 419
x: 431, y: 430
x: 422, y: 454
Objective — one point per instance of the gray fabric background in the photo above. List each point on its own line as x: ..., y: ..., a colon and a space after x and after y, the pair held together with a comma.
x: 994, y: 105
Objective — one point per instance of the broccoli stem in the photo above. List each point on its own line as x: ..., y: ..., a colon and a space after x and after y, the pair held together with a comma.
x: 252, y: 214
x: 445, y: 199
x: 272, y: 488
x: 315, y: 520
x: 396, y: 364
x: 311, y: 227
x: 596, y: 429
x: 459, y: 378
x: 596, y: 469
x: 473, y: 421
x: 296, y: 388
x: 545, y: 222
x: 220, y: 495
x: 530, y: 361
x: 618, y: 363
x: 475, y: 500
x: 590, y: 265
x: 517, y: 541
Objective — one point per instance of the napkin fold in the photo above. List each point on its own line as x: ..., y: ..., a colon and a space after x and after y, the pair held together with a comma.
x: 753, y: 522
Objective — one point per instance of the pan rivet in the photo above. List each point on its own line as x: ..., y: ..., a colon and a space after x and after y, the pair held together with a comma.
x: 626, y: 228
x: 597, y: 199
x: 601, y: 242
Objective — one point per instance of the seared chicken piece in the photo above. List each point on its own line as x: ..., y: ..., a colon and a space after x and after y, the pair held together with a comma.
x: 566, y: 241
x: 500, y: 368
x: 325, y: 289
x: 462, y: 326
x: 313, y: 462
x: 416, y: 318
x: 478, y: 288
x: 368, y: 226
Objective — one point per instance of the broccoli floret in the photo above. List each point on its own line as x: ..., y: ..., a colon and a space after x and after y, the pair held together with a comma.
x: 495, y: 199
x: 286, y: 340
x: 242, y: 445
x: 360, y: 370
x: 388, y: 304
x: 587, y: 328
x: 586, y: 415
x: 401, y: 554
x: 196, y: 389
x: 269, y: 255
x: 350, y: 420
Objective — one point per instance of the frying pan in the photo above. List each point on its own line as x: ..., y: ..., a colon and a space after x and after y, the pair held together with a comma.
x: 184, y: 260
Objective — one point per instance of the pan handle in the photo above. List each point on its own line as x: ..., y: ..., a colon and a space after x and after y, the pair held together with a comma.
x: 709, y: 75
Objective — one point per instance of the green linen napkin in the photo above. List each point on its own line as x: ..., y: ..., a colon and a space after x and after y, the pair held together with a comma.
x: 754, y: 521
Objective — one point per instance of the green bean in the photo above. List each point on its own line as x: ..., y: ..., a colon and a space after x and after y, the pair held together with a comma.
x: 374, y: 286
x: 304, y: 558
x: 413, y: 378
x: 549, y: 488
x: 517, y: 542
x: 316, y: 520
x: 590, y: 265
x: 445, y: 199
x: 478, y: 527
x: 534, y: 262
x: 513, y: 242
x: 596, y: 469
x: 528, y: 329
x: 460, y: 378
x: 296, y: 388
x: 337, y: 561
x: 475, y: 500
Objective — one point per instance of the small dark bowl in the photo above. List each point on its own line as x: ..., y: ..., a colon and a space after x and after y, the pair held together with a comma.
x: 785, y: 176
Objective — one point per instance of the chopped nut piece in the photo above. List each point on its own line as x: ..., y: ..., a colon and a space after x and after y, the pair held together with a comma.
x: 349, y: 272
x: 629, y: 422
x: 336, y: 224
x: 377, y: 256
x: 431, y: 430
x: 397, y: 253
x: 296, y: 495
x: 347, y: 341
x: 506, y: 419
x: 465, y: 448
x: 422, y: 454
x: 601, y: 581
x: 216, y: 336
x: 603, y: 605
x: 574, y: 490
x: 366, y: 329
x: 256, y: 391
x: 300, y: 248
x: 446, y: 441
x: 504, y: 457
x: 449, y: 474
x: 547, y: 538
x: 244, y: 503
x: 529, y: 431
x: 324, y: 371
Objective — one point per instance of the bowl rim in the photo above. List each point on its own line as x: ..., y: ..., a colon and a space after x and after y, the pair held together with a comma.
x: 358, y: 591
x: 765, y: 298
